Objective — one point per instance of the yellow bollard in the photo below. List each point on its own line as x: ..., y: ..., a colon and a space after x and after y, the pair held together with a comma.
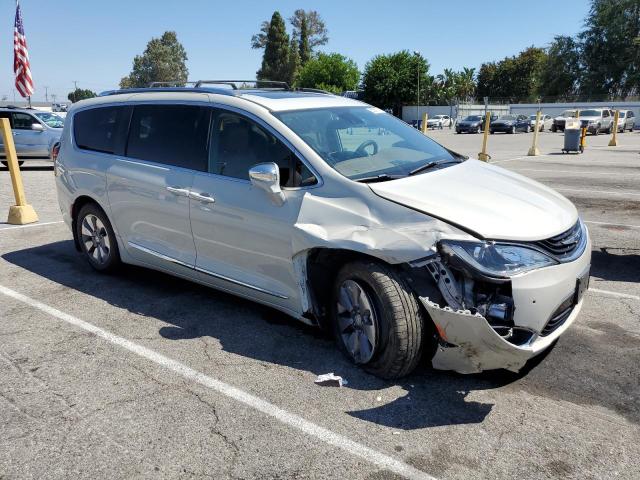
x: 533, y: 151
x: 614, y: 128
x: 20, y: 213
x: 424, y: 123
x: 483, y: 154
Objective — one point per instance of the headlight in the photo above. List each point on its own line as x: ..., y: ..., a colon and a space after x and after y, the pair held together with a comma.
x: 496, y: 259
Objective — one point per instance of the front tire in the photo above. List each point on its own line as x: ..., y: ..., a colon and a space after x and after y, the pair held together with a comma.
x: 377, y: 320
x: 97, y: 238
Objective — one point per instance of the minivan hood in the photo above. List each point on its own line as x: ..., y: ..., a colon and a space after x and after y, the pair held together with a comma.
x: 490, y: 201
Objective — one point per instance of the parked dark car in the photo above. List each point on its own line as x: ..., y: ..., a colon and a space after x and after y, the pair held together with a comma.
x: 510, y: 124
x: 471, y: 124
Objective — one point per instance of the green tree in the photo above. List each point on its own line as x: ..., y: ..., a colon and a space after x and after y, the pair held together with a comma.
x: 80, y: 94
x: 391, y: 81
x: 294, y: 61
x: 515, y: 78
x: 560, y: 73
x: 164, y: 60
x: 610, y: 53
x: 329, y: 71
x: 275, y: 61
x: 316, y: 30
x: 305, y: 48
x: 314, y: 36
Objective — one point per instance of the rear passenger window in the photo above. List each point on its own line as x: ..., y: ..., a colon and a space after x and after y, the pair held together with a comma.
x: 170, y: 134
x: 239, y: 143
x: 99, y: 129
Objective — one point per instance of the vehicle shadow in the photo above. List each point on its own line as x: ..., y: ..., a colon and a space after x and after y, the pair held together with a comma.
x: 26, y: 168
x: 607, y: 265
x: 244, y: 328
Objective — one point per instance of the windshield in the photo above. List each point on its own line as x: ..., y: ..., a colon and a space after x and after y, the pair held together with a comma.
x: 621, y: 115
x: 51, y: 119
x: 569, y: 113
x: 507, y: 117
x: 365, y: 142
x: 473, y: 118
x: 589, y: 113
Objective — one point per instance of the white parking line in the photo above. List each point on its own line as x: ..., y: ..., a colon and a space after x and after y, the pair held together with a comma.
x: 354, y: 448
x: 577, y: 172
x: 519, y: 158
x: 30, y: 225
x: 614, y: 294
x: 604, y: 192
x: 613, y: 224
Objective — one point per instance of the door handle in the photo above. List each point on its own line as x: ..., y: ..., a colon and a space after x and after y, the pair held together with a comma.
x: 180, y: 191
x: 202, y: 197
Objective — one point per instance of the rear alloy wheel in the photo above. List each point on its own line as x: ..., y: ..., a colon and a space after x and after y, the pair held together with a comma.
x: 377, y: 320
x: 97, y: 239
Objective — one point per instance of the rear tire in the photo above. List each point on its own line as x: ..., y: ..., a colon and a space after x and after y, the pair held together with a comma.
x: 97, y: 239
x: 370, y: 297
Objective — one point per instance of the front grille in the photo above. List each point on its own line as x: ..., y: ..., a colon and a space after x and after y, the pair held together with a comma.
x: 558, y: 317
x: 565, y: 244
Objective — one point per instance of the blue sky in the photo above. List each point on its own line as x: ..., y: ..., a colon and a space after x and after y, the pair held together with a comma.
x: 95, y: 42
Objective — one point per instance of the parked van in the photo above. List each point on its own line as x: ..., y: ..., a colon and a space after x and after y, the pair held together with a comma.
x: 331, y: 211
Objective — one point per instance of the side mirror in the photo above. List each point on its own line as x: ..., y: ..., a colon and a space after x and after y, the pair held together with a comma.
x: 266, y: 176
x: 37, y: 127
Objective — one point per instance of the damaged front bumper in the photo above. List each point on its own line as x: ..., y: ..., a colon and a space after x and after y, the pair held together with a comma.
x: 471, y: 345
x: 546, y: 302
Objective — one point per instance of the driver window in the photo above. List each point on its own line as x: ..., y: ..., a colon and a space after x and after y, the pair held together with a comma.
x: 23, y: 121
x: 239, y: 143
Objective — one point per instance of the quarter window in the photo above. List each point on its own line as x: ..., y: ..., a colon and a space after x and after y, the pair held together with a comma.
x: 100, y: 129
x: 170, y: 134
x: 239, y: 143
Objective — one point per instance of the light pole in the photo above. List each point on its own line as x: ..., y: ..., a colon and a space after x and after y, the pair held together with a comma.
x: 415, y: 52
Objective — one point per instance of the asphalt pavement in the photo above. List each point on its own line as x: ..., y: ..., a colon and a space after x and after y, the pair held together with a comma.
x: 140, y: 374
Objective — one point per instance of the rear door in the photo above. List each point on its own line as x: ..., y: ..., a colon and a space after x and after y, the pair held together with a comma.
x: 243, y: 239
x: 148, y: 186
x: 29, y: 142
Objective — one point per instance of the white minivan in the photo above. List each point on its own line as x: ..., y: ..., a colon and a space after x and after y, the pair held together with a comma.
x: 331, y: 211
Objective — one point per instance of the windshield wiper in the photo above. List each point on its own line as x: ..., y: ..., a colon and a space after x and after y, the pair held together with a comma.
x: 431, y: 164
x: 383, y: 177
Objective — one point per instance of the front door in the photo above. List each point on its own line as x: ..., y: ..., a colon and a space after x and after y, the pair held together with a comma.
x: 29, y: 142
x: 242, y: 238
x: 149, y: 185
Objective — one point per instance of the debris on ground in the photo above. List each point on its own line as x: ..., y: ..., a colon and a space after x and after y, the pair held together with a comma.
x: 330, y: 380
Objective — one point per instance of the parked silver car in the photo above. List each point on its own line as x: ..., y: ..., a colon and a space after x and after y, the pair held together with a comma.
x: 598, y: 120
x: 626, y: 120
x: 35, y: 133
x: 331, y: 211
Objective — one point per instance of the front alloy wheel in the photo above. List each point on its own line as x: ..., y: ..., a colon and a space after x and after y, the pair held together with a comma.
x: 357, y: 321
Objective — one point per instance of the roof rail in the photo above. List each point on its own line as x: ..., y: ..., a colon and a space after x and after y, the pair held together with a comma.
x: 244, y: 84
x: 171, y: 83
x: 313, y: 90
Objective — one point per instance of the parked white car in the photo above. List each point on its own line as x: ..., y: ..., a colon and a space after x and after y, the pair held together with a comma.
x: 545, y: 122
x: 626, y: 120
x: 331, y: 211
x: 439, y: 121
x: 559, y: 121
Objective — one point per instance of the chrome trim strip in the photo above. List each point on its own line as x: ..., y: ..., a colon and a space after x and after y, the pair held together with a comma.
x: 207, y: 272
x: 159, y: 255
x: 238, y: 282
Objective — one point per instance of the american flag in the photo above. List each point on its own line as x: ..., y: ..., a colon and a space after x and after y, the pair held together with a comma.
x: 24, y: 82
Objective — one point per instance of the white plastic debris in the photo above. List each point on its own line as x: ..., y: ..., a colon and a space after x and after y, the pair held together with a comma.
x: 330, y: 380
